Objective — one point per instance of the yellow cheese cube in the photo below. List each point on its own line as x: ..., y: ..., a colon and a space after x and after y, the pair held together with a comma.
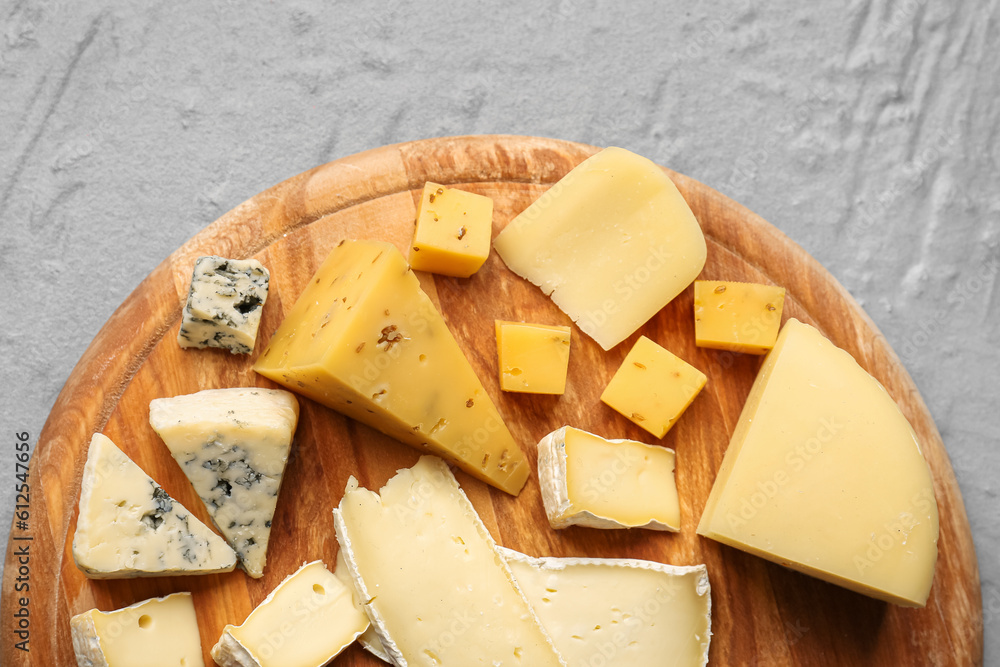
x: 453, y: 229
x: 653, y: 387
x: 739, y: 317
x: 365, y: 340
x: 533, y: 357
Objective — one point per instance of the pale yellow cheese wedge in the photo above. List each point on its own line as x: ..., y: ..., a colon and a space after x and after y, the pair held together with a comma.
x: 154, y: 632
x: 824, y: 475
x: 365, y: 340
x: 612, y: 243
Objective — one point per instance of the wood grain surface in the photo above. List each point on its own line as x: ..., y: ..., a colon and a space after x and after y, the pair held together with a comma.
x: 763, y: 614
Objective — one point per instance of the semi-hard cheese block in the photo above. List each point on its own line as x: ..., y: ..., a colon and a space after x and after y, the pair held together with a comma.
x: 653, y: 387
x: 151, y: 633
x: 739, y: 317
x: 612, y: 243
x: 589, y: 481
x: 305, y: 622
x: 433, y: 584
x: 224, y: 304
x: 129, y: 527
x: 533, y: 358
x: 824, y: 475
x: 233, y: 445
x: 452, y: 233
x: 619, y: 612
x: 365, y: 340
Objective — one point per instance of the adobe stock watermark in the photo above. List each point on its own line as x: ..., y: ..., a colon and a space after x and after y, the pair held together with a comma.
x: 796, y: 459
x: 896, y: 532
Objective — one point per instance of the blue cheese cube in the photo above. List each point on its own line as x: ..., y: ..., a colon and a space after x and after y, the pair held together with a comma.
x: 224, y: 304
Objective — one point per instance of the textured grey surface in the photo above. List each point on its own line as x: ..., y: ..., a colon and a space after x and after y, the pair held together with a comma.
x: 866, y: 130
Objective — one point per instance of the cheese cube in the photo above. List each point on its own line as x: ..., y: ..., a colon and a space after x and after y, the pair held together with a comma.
x: 365, y: 340
x: 453, y: 230
x: 824, y: 475
x: 739, y: 317
x: 533, y: 358
x: 224, y: 304
x: 589, y: 481
x: 305, y: 622
x: 653, y: 387
x: 612, y: 243
x: 160, y: 631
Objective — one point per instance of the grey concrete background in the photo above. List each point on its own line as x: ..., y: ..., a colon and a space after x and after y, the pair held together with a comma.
x: 867, y: 130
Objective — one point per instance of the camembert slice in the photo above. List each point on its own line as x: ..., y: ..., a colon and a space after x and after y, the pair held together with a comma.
x: 589, y: 481
x: 433, y: 584
x: 233, y: 445
x: 824, y: 475
x: 129, y: 527
x: 619, y: 612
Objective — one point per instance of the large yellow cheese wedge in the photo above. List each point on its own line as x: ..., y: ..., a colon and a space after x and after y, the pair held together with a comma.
x: 365, y: 340
x: 824, y: 475
x: 611, y: 243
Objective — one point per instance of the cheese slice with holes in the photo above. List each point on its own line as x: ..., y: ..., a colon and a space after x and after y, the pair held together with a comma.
x: 233, y: 445
x: 129, y: 527
x: 619, y: 612
x: 305, y: 622
x: 365, y: 340
x: 433, y: 584
x: 159, y: 631
x: 589, y: 481
x: 824, y: 475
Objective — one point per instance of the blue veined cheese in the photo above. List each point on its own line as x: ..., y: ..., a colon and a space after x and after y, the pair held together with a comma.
x: 619, y: 612
x: 129, y: 527
x: 162, y: 631
x: 233, y: 445
x: 224, y: 304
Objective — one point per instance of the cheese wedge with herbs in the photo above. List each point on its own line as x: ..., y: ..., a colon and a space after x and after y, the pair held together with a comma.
x: 365, y: 340
x: 224, y: 304
x: 433, y: 584
x: 589, y: 481
x: 619, y: 612
x: 612, y: 243
x: 824, y: 475
x: 233, y: 445
x: 452, y: 232
x: 159, y: 631
x: 305, y: 622
x: 129, y: 527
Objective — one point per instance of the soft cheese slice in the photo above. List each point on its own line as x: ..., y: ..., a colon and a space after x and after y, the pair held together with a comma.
x: 824, y: 475
x: 619, y: 612
x: 369, y: 638
x: 433, y: 585
x: 365, y: 340
x: 589, y: 481
x: 305, y: 622
x: 154, y: 632
x: 233, y: 445
x: 612, y: 243
x: 129, y: 527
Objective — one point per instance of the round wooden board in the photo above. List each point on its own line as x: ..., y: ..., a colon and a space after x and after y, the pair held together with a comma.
x: 763, y: 614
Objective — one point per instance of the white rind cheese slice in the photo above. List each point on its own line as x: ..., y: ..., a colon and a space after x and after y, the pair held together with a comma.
x: 233, y: 445
x: 433, y: 584
x: 129, y: 527
x: 305, y: 622
x: 588, y: 481
x: 619, y: 612
x: 824, y: 475
x: 159, y: 631
x: 224, y: 304
x: 369, y: 638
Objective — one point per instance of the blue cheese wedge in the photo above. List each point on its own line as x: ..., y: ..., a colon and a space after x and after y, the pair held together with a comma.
x: 129, y: 527
x: 233, y: 445
x: 619, y: 612
x: 165, y: 628
x: 305, y: 622
x: 224, y: 304
x: 432, y: 582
